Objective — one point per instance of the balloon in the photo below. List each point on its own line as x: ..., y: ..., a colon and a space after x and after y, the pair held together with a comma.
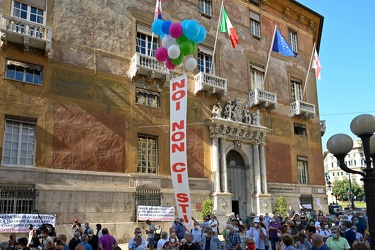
x: 168, y: 41
x: 175, y: 30
x: 192, y: 29
x: 161, y: 54
x: 190, y: 63
x: 184, y: 23
x: 186, y: 48
x: 201, y: 35
x: 178, y: 60
x: 194, y: 47
x: 165, y: 26
x: 181, y: 39
x: 174, y: 51
x: 170, y: 65
x: 156, y: 27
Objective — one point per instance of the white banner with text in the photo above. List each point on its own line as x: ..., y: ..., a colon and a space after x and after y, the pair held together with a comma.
x: 18, y: 223
x: 155, y: 213
x: 178, y: 158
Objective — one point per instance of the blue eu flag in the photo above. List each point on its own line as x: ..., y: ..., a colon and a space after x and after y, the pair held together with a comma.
x: 281, y: 46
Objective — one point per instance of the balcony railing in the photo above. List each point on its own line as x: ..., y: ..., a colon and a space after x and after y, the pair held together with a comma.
x: 262, y: 98
x: 147, y: 65
x: 17, y: 30
x: 302, y: 108
x: 210, y: 83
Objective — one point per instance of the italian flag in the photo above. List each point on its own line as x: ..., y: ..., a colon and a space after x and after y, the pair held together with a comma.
x: 226, y: 26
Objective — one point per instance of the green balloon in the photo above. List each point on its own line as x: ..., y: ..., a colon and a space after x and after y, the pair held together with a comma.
x: 178, y: 60
x: 186, y: 48
x: 181, y: 39
x: 193, y: 47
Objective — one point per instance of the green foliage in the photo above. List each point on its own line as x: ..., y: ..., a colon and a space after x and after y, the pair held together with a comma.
x: 207, y: 208
x: 281, y: 207
x: 340, y: 188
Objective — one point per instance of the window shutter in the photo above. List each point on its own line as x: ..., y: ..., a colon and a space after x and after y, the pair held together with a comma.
x: 144, y: 30
x: 40, y: 4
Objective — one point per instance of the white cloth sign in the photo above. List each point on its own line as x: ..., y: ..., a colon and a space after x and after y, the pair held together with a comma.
x: 155, y: 213
x: 178, y: 159
x: 18, y: 223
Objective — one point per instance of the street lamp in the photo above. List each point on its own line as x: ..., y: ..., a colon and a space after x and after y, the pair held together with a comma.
x: 340, y: 144
x: 329, y: 185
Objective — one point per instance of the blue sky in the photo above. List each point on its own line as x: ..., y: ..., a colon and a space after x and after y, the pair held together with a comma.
x: 347, y: 86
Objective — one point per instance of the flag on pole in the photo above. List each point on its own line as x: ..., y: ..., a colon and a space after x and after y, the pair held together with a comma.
x: 318, y: 203
x: 158, y: 10
x: 299, y: 204
x: 316, y: 65
x: 226, y: 26
x: 281, y: 46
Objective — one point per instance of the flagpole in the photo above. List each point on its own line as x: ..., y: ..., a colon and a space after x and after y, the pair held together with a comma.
x: 269, y: 54
x: 308, y: 71
x: 217, y: 32
x: 152, y: 38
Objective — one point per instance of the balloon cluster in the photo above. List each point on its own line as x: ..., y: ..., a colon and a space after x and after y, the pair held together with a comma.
x: 178, y: 40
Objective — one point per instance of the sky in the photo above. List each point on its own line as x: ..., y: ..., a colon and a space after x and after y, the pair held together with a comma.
x: 347, y: 57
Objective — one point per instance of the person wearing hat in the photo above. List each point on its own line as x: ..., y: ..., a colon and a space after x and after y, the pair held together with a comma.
x: 303, y: 243
x: 259, y: 234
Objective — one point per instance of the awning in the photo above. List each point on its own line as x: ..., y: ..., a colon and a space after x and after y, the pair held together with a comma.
x: 40, y: 4
x: 24, y: 65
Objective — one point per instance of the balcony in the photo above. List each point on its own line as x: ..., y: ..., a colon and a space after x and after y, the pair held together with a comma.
x: 210, y: 83
x: 148, y: 66
x: 17, y: 30
x: 262, y: 98
x: 300, y: 108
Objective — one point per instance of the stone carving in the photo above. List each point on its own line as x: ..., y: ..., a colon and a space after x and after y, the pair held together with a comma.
x: 216, y: 110
x: 238, y: 144
x: 236, y: 111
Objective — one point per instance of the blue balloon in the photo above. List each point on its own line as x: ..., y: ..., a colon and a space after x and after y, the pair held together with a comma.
x: 165, y: 26
x: 184, y: 24
x: 162, y: 36
x: 201, y: 35
x: 156, y: 27
x: 192, y: 29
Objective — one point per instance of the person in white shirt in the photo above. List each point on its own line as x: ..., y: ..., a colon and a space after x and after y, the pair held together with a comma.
x: 324, y: 230
x: 214, y: 224
x: 162, y: 241
x: 138, y: 243
x: 132, y: 243
x: 197, y: 233
x: 259, y: 233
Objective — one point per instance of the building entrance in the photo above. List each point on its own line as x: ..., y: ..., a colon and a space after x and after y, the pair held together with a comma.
x: 237, y: 182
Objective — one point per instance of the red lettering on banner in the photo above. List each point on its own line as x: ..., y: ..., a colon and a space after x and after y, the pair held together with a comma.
x: 182, y: 197
x: 178, y: 147
x: 186, y: 218
x: 178, y: 105
x: 179, y: 178
x: 178, y: 125
x: 183, y: 207
x: 178, y: 84
x: 179, y: 164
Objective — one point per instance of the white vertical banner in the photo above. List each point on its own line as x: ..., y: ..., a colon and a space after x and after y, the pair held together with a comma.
x: 178, y: 159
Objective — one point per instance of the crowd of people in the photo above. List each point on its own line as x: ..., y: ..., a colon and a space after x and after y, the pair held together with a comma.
x: 299, y: 230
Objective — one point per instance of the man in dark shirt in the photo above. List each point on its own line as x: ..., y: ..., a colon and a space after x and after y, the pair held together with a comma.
x: 349, y: 234
x: 74, y: 241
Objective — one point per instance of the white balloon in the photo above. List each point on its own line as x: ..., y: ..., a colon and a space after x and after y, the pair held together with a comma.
x: 168, y: 41
x: 174, y: 51
x: 190, y: 63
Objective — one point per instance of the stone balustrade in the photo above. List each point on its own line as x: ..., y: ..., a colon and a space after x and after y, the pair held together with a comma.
x: 262, y: 98
x: 210, y: 83
x: 149, y: 66
x: 302, y: 108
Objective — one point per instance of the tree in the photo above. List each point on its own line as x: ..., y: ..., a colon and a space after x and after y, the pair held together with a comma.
x: 341, y: 189
x: 207, y: 208
x: 281, y: 207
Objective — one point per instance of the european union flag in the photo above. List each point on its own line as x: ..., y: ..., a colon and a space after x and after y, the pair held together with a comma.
x: 281, y: 46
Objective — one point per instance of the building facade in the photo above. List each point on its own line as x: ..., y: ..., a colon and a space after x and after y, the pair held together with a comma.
x: 85, y: 110
x: 354, y: 160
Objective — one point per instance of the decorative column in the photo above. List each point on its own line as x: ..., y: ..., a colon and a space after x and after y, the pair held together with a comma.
x: 256, y: 169
x: 263, y: 172
x: 215, y: 164
x: 223, y: 166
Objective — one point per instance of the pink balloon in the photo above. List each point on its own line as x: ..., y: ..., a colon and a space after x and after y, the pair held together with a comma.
x: 161, y: 54
x: 175, y: 30
x: 170, y: 65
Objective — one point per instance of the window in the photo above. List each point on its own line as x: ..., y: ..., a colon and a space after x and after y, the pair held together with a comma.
x: 17, y: 199
x: 31, y: 14
x: 254, y: 2
x: 205, y: 60
x: 332, y: 164
x: 302, y: 169
x: 19, y: 141
x: 147, y: 98
x: 342, y: 173
x: 254, y: 23
x: 205, y: 7
x: 257, y: 77
x: 296, y: 87
x: 333, y: 174
x: 355, y: 162
x: 293, y: 40
x: 146, y: 43
x: 147, y: 155
x: 300, y: 129
x: 146, y: 197
x: 24, y: 72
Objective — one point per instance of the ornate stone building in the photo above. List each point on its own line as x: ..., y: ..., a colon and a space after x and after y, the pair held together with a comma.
x: 84, y: 107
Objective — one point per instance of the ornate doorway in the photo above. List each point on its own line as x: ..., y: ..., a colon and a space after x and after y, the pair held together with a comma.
x: 237, y: 182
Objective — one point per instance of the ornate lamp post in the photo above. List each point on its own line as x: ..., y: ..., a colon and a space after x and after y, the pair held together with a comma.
x: 340, y: 144
x: 329, y: 185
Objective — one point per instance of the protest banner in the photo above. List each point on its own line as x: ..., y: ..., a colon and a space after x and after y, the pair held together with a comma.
x: 18, y: 223
x: 155, y: 213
